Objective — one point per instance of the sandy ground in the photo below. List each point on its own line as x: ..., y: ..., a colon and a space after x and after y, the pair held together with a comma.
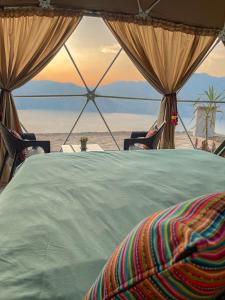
x: 105, y: 140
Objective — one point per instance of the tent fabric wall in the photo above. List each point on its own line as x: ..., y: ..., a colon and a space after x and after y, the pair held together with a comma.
x: 166, y: 59
x: 28, y: 43
x: 198, y: 13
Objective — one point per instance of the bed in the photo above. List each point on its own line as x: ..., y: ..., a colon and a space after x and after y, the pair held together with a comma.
x: 62, y: 215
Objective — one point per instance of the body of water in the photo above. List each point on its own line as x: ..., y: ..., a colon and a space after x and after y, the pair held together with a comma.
x: 41, y: 121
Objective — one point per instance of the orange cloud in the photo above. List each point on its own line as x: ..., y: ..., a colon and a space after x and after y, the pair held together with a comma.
x: 215, y: 63
x: 92, y: 64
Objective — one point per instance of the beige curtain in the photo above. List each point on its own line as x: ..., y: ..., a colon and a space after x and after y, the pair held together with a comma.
x: 28, y: 43
x: 166, y: 58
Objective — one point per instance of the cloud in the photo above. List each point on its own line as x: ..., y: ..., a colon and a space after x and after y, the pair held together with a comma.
x: 110, y: 49
x: 214, y: 64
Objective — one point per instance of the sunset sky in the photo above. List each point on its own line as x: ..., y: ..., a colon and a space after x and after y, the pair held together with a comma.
x: 93, y: 48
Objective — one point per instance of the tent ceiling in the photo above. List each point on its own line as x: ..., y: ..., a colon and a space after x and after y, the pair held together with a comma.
x: 202, y: 13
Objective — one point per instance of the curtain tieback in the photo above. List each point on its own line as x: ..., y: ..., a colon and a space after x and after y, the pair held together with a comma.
x: 170, y: 94
x: 173, y: 114
x: 6, y: 90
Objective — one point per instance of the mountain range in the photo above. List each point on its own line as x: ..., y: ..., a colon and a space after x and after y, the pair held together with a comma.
x: 191, y: 91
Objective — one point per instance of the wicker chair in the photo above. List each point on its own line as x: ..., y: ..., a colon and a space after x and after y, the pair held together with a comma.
x: 14, y: 146
x: 139, y: 137
x: 221, y: 149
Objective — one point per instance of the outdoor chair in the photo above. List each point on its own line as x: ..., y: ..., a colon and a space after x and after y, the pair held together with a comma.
x: 221, y: 149
x: 15, y: 145
x: 139, y: 137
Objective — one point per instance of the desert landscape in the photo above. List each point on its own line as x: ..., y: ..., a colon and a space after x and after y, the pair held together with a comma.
x: 106, y: 142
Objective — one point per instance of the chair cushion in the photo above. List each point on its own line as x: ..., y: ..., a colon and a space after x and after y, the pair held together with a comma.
x: 177, y: 253
x: 149, y: 134
x: 34, y: 151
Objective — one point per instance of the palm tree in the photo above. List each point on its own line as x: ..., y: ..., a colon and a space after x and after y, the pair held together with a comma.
x: 211, y: 107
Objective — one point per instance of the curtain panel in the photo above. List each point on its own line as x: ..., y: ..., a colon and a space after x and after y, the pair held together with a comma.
x: 166, y: 58
x: 28, y: 44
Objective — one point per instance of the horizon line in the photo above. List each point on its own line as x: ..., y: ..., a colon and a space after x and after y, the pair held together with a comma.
x: 93, y: 86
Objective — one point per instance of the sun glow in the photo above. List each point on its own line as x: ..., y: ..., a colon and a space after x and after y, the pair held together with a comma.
x: 93, y: 47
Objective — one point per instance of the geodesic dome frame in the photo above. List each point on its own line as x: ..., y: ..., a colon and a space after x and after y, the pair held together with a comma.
x: 197, y: 22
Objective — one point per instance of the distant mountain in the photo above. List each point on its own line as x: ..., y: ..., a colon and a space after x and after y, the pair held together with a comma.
x: 191, y: 91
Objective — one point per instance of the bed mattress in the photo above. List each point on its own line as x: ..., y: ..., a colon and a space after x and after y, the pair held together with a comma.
x: 62, y: 215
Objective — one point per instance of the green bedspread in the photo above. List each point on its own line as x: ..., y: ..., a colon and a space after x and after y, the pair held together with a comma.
x: 63, y: 214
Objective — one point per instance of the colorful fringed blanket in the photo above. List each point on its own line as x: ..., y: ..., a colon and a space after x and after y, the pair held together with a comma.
x: 177, y: 253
